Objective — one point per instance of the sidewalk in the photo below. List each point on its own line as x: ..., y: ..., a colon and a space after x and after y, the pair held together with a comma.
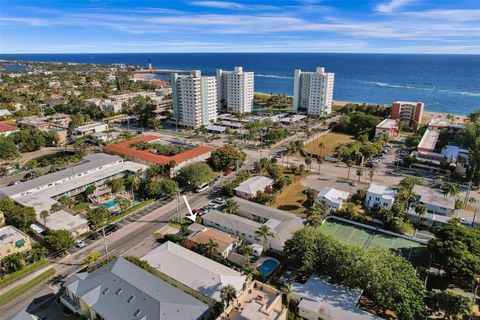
x: 25, y: 279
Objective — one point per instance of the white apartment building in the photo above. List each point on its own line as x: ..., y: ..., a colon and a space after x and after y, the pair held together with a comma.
x: 313, y: 91
x: 194, y: 99
x: 235, y: 90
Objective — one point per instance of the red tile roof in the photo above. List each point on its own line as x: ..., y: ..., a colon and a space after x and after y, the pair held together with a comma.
x: 7, y: 128
x: 124, y: 149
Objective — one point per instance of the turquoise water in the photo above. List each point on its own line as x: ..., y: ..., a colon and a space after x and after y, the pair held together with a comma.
x: 110, y: 204
x: 267, y: 267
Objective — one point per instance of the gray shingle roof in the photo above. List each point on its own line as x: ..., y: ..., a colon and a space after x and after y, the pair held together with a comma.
x: 109, y: 291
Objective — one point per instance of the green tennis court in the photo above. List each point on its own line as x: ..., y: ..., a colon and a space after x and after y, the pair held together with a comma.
x: 346, y: 233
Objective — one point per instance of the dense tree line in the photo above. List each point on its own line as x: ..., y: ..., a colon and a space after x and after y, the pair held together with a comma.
x: 357, y: 123
x: 226, y: 157
x: 388, y: 279
x: 18, y: 216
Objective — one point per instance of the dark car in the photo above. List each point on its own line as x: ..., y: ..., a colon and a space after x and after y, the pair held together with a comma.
x: 111, y: 228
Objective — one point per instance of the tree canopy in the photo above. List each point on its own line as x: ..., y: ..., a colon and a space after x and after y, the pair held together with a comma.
x: 195, y: 174
x: 226, y: 157
x: 388, y: 278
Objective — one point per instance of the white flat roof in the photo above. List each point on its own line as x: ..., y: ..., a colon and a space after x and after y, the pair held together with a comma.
x: 384, y: 191
x: 333, y: 194
x: 10, y: 234
x: 389, y: 124
x: 429, y: 139
x: 63, y: 220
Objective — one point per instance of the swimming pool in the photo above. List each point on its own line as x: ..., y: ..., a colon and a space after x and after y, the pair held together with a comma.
x: 110, y: 203
x: 267, y: 267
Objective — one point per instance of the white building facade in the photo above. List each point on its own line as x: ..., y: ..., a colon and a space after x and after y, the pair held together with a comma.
x: 194, y: 99
x: 378, y: 195
x: 235, y: 90
x: 313, y: 91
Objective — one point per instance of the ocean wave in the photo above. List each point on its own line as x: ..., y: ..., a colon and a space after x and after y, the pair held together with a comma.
x: 272, y: 76
x: 432, y: 89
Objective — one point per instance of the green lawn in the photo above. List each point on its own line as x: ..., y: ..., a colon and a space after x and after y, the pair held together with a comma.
x: 130, y: 210
x: 21, y: 289
x: 80, y: 206
x: 23, y: 272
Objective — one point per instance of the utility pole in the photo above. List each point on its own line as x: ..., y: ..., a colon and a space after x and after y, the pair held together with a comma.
x: 105, y: 244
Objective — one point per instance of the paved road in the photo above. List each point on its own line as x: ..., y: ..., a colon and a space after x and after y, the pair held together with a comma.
x: 135, y: 238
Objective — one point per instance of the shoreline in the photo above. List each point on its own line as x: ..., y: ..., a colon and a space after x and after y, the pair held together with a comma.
x: 426, y: 113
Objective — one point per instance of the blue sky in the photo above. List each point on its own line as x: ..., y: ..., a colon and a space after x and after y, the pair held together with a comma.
x: 390, y: 26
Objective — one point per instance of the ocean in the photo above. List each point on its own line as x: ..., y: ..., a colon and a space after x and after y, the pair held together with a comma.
x: 445, y: 83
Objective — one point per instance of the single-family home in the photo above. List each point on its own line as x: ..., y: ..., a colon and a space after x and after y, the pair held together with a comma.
x: 6, y: 129
x: 378, y: 195
x: 332, y: 198
x: 202, y: 235
x: 251, y: 187
x: 319, y: 299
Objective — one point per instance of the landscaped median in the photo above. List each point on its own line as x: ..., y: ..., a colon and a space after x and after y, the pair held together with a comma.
x: 24, y: 287
x: 134, y: 208
x: 23, y: 272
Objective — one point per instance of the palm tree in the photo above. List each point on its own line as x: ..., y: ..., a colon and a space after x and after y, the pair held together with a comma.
x: 450, y: 189
x: 287, y: 291
x: 231, y: 206
x: 420, y: 209
x: 308, y: 163
x: 320, y: 161
x: 228, y: 294
x: 359, y: 173
x: 264, y: 233
x: 92, y: 258
x: 249, y: 270
x: 349, y: 164
x: 321, y: 145
x: 44, y: 214
x: 371, y: 173
x: 210, y: 248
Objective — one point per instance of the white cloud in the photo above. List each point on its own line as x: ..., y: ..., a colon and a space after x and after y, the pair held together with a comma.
x: 392, y: 5
x: 231, y: 5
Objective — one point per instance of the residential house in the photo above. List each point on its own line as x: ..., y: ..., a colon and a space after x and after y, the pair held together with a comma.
x: 440, y: 208
x: 378, y: 195
x: 225, y: 242
x: 13, y: 241
x: 251, y: 187
x: 332, y: 198
x: 6, y: 129
x: 121, y: 290
x: 319, y: 299
x: 193, y: 273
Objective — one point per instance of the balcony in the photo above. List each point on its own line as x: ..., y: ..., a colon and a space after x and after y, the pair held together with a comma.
x: 69, y: 303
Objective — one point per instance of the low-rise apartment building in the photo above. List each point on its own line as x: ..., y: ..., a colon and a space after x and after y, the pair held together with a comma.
x: 434, y: 200
x: 388, y: 128
x: 251, y: 217
x: 13, y: 241
x: 41, y: 193
x: 407, y: 111
x: 90, y: 128
x: 195, y: 274
x: 121, y: 290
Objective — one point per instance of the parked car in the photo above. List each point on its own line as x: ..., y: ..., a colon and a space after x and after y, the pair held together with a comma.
x: 202, y: 187
x: 228, y: 172
x: 353, y: 183
x: 200, y: 211
x: 219, y: 200
x: 111, y: 228
x: 13, y: 183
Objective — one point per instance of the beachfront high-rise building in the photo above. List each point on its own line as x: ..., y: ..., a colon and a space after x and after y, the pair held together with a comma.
x: 313, y: 91
x: 235, y: 90
x: 194, y: 99
x: 407, y: 111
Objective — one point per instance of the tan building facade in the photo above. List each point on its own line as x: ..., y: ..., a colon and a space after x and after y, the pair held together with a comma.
x: 13, y: 241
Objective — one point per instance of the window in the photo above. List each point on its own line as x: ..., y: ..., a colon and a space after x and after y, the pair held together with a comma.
x: 129, y: 300
x: 118, y: 291
x: 136, y: 313
x: 105, y: 291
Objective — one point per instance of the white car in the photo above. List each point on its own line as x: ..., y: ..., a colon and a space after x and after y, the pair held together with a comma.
x: 80, y: 244
x: 202, y: 187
